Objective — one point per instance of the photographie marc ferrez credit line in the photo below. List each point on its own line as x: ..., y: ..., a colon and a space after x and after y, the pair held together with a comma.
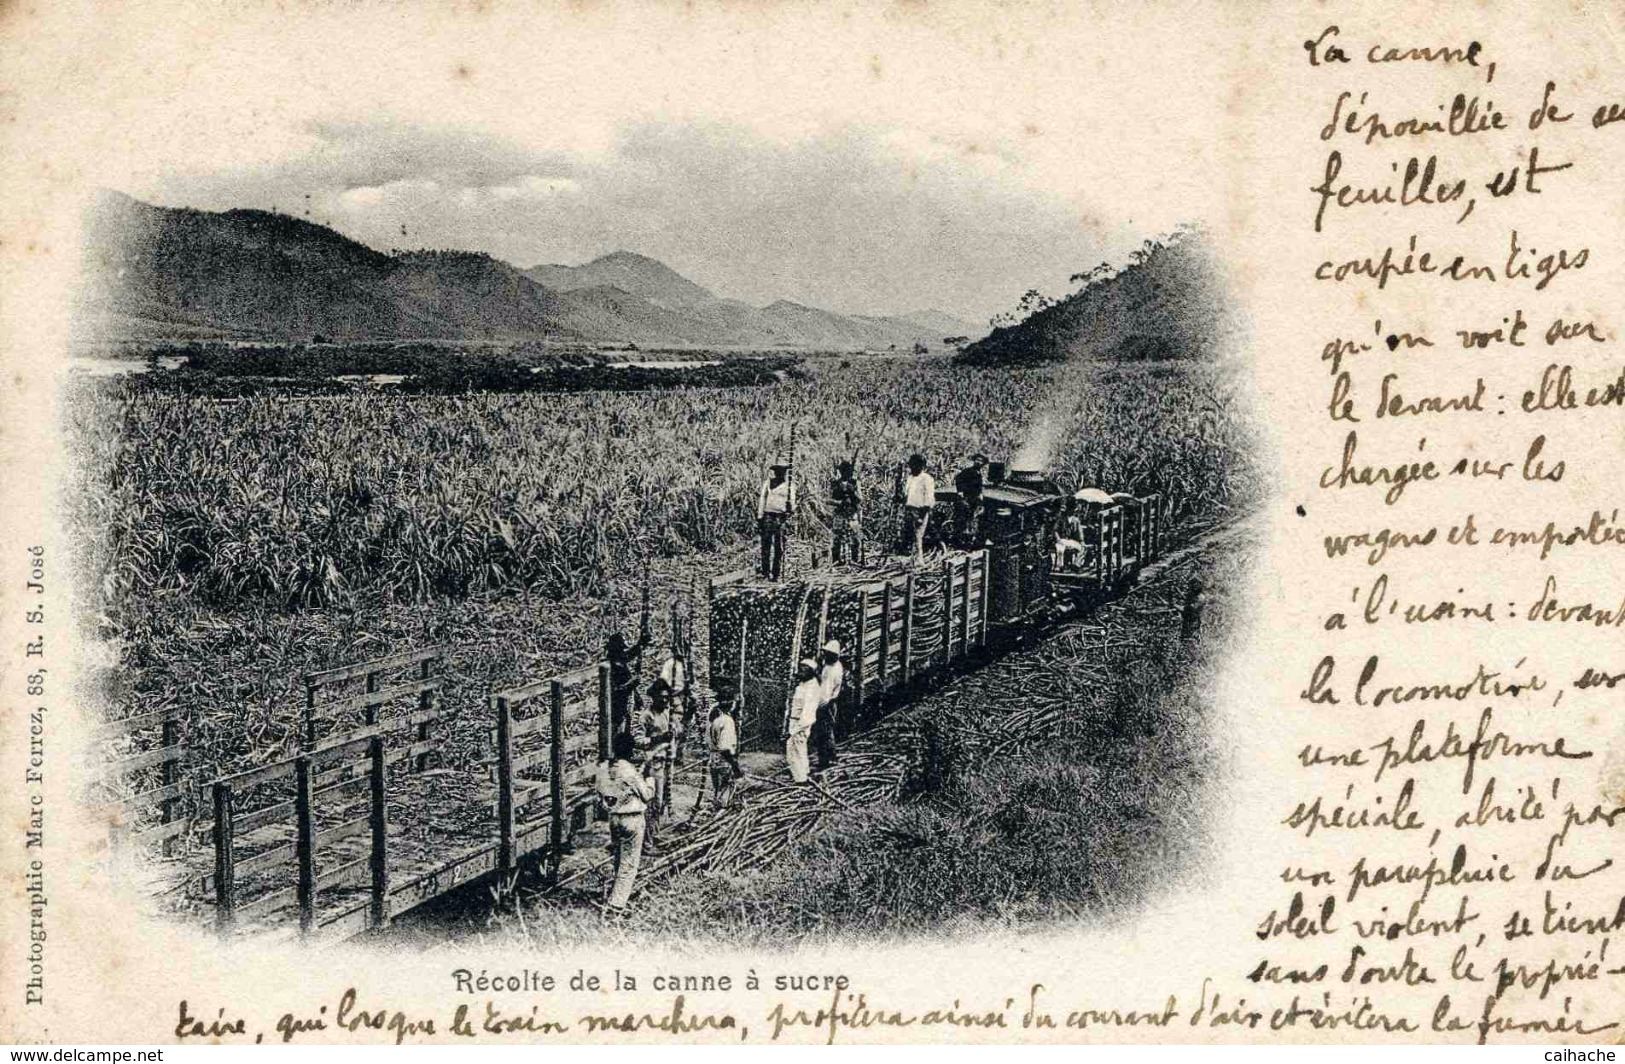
x: 773, y: 564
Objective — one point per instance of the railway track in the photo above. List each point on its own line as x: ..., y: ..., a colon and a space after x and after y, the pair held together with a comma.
x: 874, y: 766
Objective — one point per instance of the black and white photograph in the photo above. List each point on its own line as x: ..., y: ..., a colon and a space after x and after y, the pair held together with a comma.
x: 685, y: 523
x: 712, y: 536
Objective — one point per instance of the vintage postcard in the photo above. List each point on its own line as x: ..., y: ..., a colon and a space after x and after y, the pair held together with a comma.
x: 936, y: 521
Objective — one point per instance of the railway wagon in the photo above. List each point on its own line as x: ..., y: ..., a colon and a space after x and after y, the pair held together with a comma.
x: 896, y: 622
x: 1036, y: 555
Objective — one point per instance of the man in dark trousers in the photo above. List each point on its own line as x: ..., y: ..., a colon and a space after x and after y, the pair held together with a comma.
x: 775, y: 505
x: 968, y: 511
x: 844, y: 515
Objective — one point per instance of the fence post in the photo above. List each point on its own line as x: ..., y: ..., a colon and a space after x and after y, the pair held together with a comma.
x: 558, y: 831
x: 987, y: 573
x: 908, y: 627
x: 862, y: 651
x: 885, y: 636
x: 304, y: 843
x: 380, y: 834
x: 225, y: 886
x: 426, y: 704
x: 604, y: 738
x: 1101, y: 547
x: 310, y: 712
x: 370, y: 714
x: 505, y: 824
x: 947, y: 610
x: 171, y: 775
x: 964, y: 610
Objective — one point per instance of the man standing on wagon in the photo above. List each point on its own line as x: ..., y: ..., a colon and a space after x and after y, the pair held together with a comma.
x: 968, y: 511
x: 775, y: 505
x: 844, y: 516
x: 919, y: 497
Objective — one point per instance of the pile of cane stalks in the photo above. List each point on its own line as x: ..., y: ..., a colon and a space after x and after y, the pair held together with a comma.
x: 1008, y: 704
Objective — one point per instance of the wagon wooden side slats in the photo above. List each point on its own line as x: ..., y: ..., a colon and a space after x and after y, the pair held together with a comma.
x: 159, y: 793
x: 548, y: 738
x: 311, y: 830
x: 893, y: 627
x: 388, y: 687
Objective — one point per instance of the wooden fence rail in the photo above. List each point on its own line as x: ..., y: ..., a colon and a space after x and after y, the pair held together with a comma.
x: 566, y: 739
x: 305, y: 850
x: 167, y: 757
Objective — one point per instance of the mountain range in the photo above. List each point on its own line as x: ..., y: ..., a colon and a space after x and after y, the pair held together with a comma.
x: 1168, y: 302
x: 175, y: 273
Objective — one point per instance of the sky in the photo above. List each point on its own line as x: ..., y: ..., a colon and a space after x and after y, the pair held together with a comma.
x: 864, y: 159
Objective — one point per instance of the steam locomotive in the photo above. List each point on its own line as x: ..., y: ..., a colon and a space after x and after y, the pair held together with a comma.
x: 1051, y: 553
x: 1024, y: 555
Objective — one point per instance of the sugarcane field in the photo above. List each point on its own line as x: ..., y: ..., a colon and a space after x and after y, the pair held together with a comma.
x: 557, y: 643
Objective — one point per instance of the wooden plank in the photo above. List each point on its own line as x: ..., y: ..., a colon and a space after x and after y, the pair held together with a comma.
x: 162, y: 755
x: 374, y: 699
x: 518, y: 696
x: 964, y: 609
x: 156, y: 794
x: 162, y: 833
x: 586, y: 705
x: 350, y: 672
x: 518, y: 729
x: 525, y: 762
x: 271, y: 814
x: 882, y: 675
x: 505, y: 773
x: 861, y: 653
x: 171, y: 737
x: 428, y: 712
x: 339, y: 832
x: 255, y: 777
x: 268, y: 903
x: 907, y: 655
x: 114, y: 729
x: 259, y: 862
x: 556, y: 788
x: 378, y: 821
x: 304, y: 845
x: 583, y: 773
x: 327, y: 753
x: 225, y: 892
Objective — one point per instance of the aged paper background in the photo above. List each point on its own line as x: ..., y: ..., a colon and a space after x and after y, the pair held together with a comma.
x: 1206, y: 112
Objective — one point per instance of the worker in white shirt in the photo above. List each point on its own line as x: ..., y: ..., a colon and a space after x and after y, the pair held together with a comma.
x: 725, y: 770
x: 831, y: 679
x: 674, y: 674
x: 919, y: 496
x: 775, y: 505
x: 624, y: 794
x: 803, y: 714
